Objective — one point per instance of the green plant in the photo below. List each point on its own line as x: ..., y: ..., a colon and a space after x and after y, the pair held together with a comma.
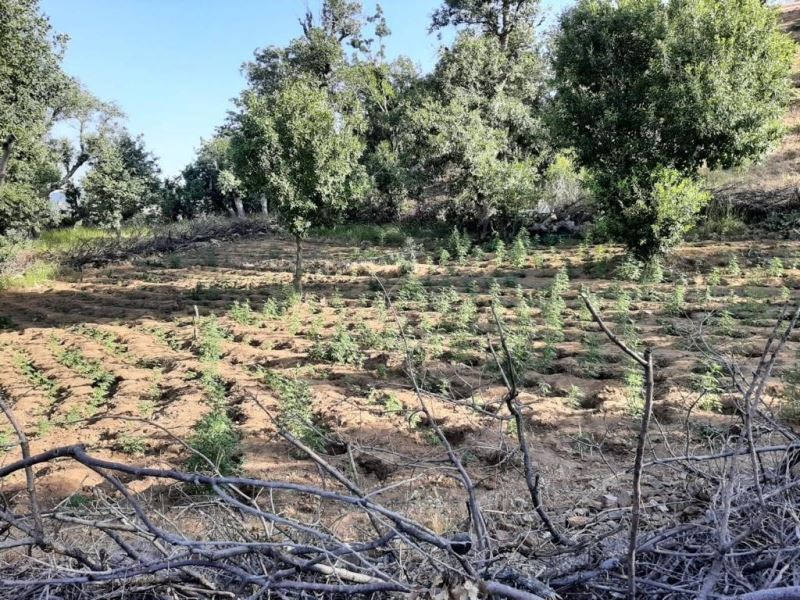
x: 707, y: 382
x: 131, y: 444
x: 215, y: 439
x: 108, y: 340
x: 241, y: 313
x: 464, y: 317
x: 341, y: 349
x: 412, y: 290
x: 775, y: 268
x: 575, y: 397
x: 518, y: 253
x: 295, y: 413
x: 634, y: 388
x: 658, y: 54
x: 499, y: 249
x: 102, y: 380
x: 35, y: 376
x: 677, y: 299
x: 734, y: 270
x: 460, y: 245
x: 726, y: 323
x: 208, y: 344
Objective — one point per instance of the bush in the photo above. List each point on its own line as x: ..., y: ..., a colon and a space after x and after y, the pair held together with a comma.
x: 23, y: 211
x: 653, y: 211
x: 215, y: 437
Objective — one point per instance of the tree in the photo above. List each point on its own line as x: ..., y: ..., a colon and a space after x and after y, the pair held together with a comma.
x: 644, y: 85
x: 501, y: 19
x: 202, y: 191
x: 123, y: 181
x: 30, y: 76
x: 308, y: 153
x: 476, y: 130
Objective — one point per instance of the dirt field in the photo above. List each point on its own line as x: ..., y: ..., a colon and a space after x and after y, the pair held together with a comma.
x: 93, y: 361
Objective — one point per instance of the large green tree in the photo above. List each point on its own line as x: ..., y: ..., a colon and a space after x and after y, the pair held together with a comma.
x: 123, y: 181
x: 30, y: 78
x: 476, y: 130
x: 647, y: 91
x: 304, y: 151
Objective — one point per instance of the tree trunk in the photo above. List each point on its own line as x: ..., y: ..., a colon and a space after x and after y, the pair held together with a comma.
x: 237, y: 201
x: 265, y: 206
x: 8, y: 148
x: 298, y: 266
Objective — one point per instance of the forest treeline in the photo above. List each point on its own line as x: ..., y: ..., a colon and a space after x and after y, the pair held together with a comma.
x: 616, y: 110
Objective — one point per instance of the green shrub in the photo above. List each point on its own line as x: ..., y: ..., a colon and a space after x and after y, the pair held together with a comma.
x: 241, y: 313
x: 210, y: 338
x: 341, y: 349
x: 295, y: 413
x: 215, y: 438
x: 657, y: 209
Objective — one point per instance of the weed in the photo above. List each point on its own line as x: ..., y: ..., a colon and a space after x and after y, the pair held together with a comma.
x: 634, y: 388
x: 518, y: 253
x: 135, y: 445
x: 215, y: 438
x: 210, y: 338
x: 734, y: 270
x: 106, y: 339
x: 460, y: 245
x: 677, y: 299
x: 412, y: 290
x: 630, y: 269
x: 341, y: 349
x: 575, y: 397
x: 499, y: 249
x: 35, y: 376
x: 241, y: 313
x: 295, y: 408
x: 464, y: 317
x: 775, y: 268
x: 103, y: 381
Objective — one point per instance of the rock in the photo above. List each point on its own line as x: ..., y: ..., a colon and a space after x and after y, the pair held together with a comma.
x: 577, y: 521
x: 609, y: 501
x: 375, y: 465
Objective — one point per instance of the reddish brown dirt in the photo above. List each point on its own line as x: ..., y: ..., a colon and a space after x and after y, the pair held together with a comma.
x: 147, y: 308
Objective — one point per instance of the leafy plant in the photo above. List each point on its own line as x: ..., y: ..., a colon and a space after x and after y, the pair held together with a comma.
x: 241, y: 313
x: 341, y: 349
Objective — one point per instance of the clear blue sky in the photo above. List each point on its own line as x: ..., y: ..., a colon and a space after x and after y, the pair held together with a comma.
x: 174, y: 65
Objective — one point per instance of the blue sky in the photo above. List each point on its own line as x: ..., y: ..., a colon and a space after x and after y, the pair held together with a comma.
x: 173, y: 65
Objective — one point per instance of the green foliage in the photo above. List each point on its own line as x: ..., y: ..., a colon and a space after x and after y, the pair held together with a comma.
x: 677, y: 299
x: 295, y: 409
x: 122, y: 182
x: 23, y: 211
x: 215, y: 438
x: 38, y: 379
x: 103, y: 380
x: 210, y: 339
x: 734, y: 270
x: 518, y: 253
x: 707, y: 382
x: 725, y: 64
x: 460, y: 245
x: 653, y: 211
x: 341, y: 349
x: 241, y: 313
